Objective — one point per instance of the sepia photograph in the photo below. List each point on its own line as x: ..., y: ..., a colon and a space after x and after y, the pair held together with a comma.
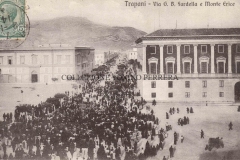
x: 119, y: 79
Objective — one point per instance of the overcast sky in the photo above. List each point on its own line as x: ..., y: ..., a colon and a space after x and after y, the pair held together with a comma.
x: 148, y: 19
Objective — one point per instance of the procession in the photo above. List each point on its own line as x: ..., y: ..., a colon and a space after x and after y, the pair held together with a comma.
x: 102, y: 122
x: 119, y: 80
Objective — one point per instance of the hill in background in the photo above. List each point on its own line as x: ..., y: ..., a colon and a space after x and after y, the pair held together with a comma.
x: 78, y: 31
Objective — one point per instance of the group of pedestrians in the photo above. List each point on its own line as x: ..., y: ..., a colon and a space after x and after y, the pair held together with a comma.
x: 102, y: 122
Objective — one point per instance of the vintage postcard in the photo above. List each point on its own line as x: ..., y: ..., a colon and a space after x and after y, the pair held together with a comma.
x: 120, y: 79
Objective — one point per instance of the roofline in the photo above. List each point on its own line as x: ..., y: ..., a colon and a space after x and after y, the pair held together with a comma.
x: 188, y: 29
x: 48, y: 49
x: 236, y: 35
x: 139, y: 40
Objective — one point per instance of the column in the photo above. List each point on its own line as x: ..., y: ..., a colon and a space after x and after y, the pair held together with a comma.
x: 178, y: 59
x: 144, y: 60
x: 161, y: 59
x: 195, y: 59
x: 16, y: 66
x: 212, y: 58
x: 229, y: 58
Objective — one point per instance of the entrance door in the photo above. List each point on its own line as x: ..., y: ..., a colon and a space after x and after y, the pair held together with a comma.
x: 220, y: 67
x: 34, y: 78
x: 187, y: 67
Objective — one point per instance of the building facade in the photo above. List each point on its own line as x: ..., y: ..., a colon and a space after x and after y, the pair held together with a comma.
x: 99, y: 59
x: 84, y: 60
x: 190, y: 65
x: 132, y: 54
x: 110, y: 55
x: 43, y: 64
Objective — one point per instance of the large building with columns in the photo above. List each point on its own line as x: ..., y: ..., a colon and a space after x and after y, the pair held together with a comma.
x: 204, y: 65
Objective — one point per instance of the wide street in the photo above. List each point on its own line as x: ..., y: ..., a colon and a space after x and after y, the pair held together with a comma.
x: 11, y: 96
x: 213, y: 120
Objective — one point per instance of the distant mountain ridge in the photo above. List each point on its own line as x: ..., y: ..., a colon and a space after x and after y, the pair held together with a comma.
x: 78, y: 31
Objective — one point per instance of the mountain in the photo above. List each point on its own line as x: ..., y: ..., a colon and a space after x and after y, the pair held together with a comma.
x: 78, y: 31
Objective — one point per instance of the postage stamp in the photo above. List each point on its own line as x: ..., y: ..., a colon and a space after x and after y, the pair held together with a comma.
x: 12, y: 19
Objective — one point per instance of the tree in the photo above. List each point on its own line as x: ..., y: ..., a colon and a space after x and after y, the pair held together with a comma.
x: 60, y: 95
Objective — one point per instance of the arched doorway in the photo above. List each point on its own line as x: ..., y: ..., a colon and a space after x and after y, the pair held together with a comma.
x: 237, y: 92
x: 34, y: 77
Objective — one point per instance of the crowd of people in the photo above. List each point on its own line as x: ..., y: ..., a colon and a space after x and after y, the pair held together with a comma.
x: 183, y: 121
x: 104, y: 121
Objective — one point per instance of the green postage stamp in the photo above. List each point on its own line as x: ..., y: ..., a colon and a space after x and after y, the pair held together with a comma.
x: 12, y: 19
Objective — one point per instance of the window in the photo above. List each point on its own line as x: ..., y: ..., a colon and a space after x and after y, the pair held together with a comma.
x: 152, y: 49
x: 67, y: 59
x: 10, y: 60
x: 153, y: 84
x: 204, y: 84
x: 204, y: 67
x: 187, y: 67
x: 238, y: 67
x: 203, y: 48
x: 153, y: 95
x: 221, y: 67
x: 221, y: 94
x: 34, y: 59
x: 46, y: 70
x: 170, y: 84
x: 170, y: 68
x: 187, y: 94
x: 46, y: 59
x: 78, y: 58
x: 204, y: 94
x: 153, y: 68
x: 169, y: 49
x: 1, y: 60
x: 187, y: 84
x: 22, y: 59
x: 59, y: 58
x: 221, y: 83
x: 238, y: 48
x: 170, y: 95
x: 186, y: 49
x: 220, y: 48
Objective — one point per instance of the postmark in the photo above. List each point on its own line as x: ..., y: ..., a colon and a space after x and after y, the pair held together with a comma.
x: 14, y: 23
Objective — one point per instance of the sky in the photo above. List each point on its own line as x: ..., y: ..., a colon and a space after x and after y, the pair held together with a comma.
x: 146, y: 18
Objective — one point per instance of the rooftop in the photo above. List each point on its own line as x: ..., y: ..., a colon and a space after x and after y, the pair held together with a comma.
x: 191, y: 33
x: 45, y: 47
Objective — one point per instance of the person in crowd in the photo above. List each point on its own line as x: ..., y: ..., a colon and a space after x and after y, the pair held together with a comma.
x: 171, y: 152
x: 202, y: 134
x: 230, y: 126
x: 182, y: 138
x: 191, y: 110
